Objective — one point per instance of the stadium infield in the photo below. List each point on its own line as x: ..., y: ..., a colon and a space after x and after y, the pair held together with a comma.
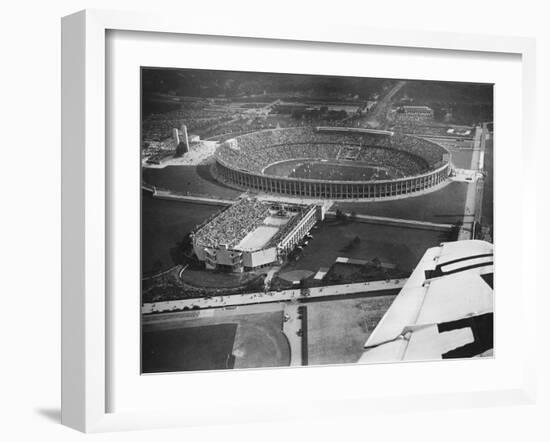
x: 328, y: 170
x: 258, y: 238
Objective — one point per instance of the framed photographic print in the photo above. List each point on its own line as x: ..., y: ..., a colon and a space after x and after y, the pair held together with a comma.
x: 254, y: 215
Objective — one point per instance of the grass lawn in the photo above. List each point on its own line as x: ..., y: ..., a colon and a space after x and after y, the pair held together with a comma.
x: 442, y: 206
x: 164, y: 224
x: 338, y: 329
x: 213, y: 279
x: 195, y: 180
x: 188, y: 348
x: 462, y: 158
x: 398, y: 245
x: 253, y: 337
x: 260, y: 341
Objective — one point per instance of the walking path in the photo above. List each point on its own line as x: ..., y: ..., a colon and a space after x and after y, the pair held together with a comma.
x: 189, y: 317
x: 466, y: 231
x: 397, y: 221
x: 168, y: 195
x: 378, y: 115
x: 481, y: 181
x: 271, y: 296
x: 290, y: 329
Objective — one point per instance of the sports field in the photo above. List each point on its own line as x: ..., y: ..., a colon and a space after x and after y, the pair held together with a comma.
x: 258, y: 238
x: 338, y: 329
x: 246, y: 336
x: 339, y: 172
x: 328, y: 170
x: 188, y: 348
x: 260, y: 341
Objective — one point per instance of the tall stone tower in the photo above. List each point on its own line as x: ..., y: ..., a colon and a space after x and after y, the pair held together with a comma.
x: 182, y: 140
x: 176, y: 136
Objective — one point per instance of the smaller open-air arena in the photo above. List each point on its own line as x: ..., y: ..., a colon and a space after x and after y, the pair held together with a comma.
x: 336, y: 163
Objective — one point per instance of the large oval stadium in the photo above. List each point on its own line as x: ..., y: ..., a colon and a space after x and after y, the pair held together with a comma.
x: 332, y: 163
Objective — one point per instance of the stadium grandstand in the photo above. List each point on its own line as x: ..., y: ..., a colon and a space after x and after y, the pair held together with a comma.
x: 251, y: 234
x: 400, y: 164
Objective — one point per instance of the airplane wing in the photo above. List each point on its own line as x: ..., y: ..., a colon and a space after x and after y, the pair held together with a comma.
x: 444, y: 310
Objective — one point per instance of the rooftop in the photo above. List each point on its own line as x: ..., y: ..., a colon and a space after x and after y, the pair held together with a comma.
x: 417, y: 108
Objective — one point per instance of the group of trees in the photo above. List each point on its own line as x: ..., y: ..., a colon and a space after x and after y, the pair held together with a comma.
x: 315, y: 114
x: 345, y: 217
x: 352, y: 244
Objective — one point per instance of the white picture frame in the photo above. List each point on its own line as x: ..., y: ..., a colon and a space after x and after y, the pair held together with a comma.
x: 85, y: 201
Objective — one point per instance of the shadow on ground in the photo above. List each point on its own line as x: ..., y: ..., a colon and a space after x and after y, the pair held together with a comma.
x: 51, y: 414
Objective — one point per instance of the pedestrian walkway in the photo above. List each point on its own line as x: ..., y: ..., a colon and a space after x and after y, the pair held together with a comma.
x: 273, y: 296
x: 291, y: 326
x: 466, y: 231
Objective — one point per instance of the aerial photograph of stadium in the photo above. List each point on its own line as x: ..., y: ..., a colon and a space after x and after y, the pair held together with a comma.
x: 291, y: 220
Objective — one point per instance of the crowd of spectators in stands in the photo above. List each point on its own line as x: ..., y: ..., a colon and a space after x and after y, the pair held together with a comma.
x: 217, y: 121
x: 233, y: 224
x: 428, y: 151
x: 197, y: 116
x: 255, y: 151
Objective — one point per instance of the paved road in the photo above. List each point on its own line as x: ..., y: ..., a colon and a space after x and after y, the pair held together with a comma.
x: 189, y: 317
x: 290, y: 329
x: 283, y: 295
x: 378, y: 115
x: 471, y: 194
x: 398, y: 221
x: 168, y: 195
x: 481, y: 181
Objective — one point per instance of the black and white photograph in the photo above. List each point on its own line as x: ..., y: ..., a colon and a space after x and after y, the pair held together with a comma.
x: 275, y: 222
x: 292, y: 220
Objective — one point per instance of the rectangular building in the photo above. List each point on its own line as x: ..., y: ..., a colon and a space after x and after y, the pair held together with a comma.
x: 415, y: 113
x: 252, y: 233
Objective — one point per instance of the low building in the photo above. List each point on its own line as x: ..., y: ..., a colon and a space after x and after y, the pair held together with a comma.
x: 415, y: 113
x: 251, y: 234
